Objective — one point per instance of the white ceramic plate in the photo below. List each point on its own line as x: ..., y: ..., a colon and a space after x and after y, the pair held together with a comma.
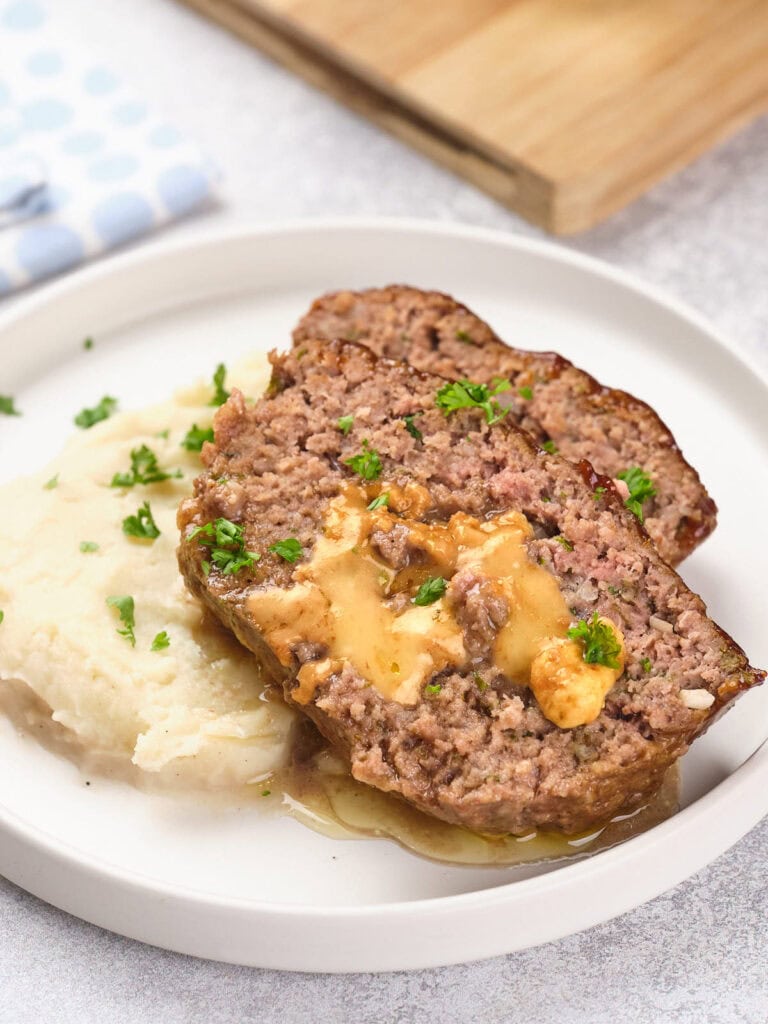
x: 236, y: 885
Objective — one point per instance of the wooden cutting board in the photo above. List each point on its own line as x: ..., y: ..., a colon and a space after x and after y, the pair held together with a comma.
x: 565, y: 110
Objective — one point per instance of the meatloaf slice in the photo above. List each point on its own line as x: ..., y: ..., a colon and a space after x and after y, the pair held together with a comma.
x: 550, y: 397
x: 471, y: 744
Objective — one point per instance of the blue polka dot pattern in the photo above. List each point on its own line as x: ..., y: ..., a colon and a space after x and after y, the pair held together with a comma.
x: 9, y: 133
x: 99, y: 82
x: 45, y: 63
x: 122, y: 217
x: 129, y: 113
x: 45, y: 115
x: 45, y: 249
x: 56, y: 196
x: 83, y: 143
x: 23, y: 15
x: 113, y: 168
x: 182, y: 188
x: 104, y: 168
x: 164, y: 135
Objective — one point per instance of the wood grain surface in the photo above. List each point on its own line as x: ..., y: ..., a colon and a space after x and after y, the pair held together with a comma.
x: 565, y: 110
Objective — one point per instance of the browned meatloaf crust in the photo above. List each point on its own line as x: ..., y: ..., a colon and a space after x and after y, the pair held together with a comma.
x: 585, y: 420
x: 482, y: 756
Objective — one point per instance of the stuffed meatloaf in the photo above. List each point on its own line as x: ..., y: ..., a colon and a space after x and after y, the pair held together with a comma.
x: 557, y: 403
x: 475, y: 623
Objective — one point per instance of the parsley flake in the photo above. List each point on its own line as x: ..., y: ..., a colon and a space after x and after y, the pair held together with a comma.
x: 290, y: 550
x: 7, y: 408
x: 87, y: 418
x: 432, y: 689
x: 640, y: 489
x: 196, y: 437
x: 88, y: 344
x: 464, y: 394
x: 646, y: 665
x: 51, y: 484
x: 161, y: 641
x: 220, y: 393
x: 549, y: 446
x: 2, y: 616
x: 367, y: 464
x: 525, y: 393
x: 344, y: 424
x: 430, y: 591
x: 465, y: 337
x: 598, y: 493
x: 142, y: 525
x: 481, y: 683
x: 126, y: 609
x: 88, y: 546
x: 411, y: 427
x: 144, y: 470
x: 226, y: 543
x: 563, y: 542
x: 381, y: 502
x: 599, y: 642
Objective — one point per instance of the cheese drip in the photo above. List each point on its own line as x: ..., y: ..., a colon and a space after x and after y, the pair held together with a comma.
x: 344, y: 598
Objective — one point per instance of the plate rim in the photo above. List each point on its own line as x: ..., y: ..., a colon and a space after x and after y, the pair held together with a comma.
x: 746, y: 777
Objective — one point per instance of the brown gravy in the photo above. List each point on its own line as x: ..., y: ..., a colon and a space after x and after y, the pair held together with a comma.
x: 318, y: 791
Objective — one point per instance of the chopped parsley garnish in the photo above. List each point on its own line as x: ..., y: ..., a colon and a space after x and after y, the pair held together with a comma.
x: 563, y: 542
x: 646, y: 665
x: 7, y: 408
x: 290, y: 549
x: 165, y: 434
x: 196, y: 437
x: 367, y: 464
x: 266, y: 792
x: 411, y: 427
x: 88, y: 546
x: 126, y: 609
x: 430, y: 591
x: 226, y: 542
x: 220, y: 393
x: 144, y: 470
x: 525, y: 393
x: 161, y: 641
x: 2, y: 616
x: 464, y: 394
x: 381, y: 502
x: 549, y: 446
x: 89, y: 417
x: 432, y: 688
x: 481, y: 683
x: 600, y: 646
x: 344, y: 424
x: 88, y: 344
x: 640, y: 489
x: 466, y: 337
x: 142, y: 525
x: 598, y: 493
x: 51, y: 484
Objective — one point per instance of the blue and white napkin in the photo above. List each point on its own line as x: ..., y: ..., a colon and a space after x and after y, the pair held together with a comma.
x: 84, y: 164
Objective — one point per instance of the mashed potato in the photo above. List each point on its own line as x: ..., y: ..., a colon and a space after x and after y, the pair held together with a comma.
x: 196, y: 709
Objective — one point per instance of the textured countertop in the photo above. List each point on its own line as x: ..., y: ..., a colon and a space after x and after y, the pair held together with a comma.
x: 696, y: 954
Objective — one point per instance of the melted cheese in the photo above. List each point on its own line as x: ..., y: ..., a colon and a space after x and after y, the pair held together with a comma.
x: 343, y: 599
x: 339, y: 601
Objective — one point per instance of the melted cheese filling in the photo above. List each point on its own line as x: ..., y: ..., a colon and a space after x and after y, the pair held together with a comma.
x: 345, y: 599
